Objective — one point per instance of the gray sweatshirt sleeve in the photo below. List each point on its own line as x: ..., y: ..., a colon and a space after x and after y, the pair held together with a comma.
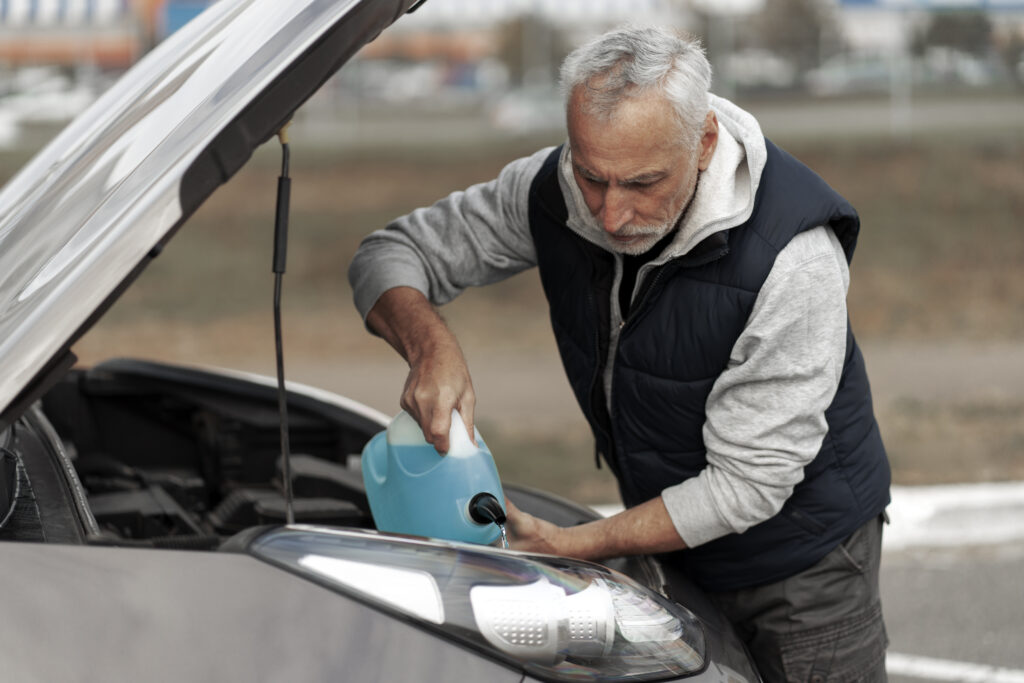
x: 766, y: 412
x: 470, y: 238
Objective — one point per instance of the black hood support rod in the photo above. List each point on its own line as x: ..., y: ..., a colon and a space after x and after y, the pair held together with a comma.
x: 284, y: 186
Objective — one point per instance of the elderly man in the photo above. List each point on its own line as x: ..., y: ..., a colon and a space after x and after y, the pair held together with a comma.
x: 696, y: 277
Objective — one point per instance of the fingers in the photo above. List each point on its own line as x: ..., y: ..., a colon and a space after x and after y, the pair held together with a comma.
x: 519, y: 523
x: 437, y: 426
x: 533, y: 534
x: 433, y: 415
x: 438, y: 378
x: 430, y: 395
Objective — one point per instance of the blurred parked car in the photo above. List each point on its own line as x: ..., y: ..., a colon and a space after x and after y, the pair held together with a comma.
x: 754, y: 69
x: 851, y: 74
x: 946, y: 66
x: 143, y: 528
x: 528, y: 110
x: 39, y: 95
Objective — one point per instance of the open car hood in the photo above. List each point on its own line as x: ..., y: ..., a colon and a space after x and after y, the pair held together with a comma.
x: 83, y: 218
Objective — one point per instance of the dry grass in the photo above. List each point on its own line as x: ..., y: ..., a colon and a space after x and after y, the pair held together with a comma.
x: 947, y: 441
x: 939, y: 259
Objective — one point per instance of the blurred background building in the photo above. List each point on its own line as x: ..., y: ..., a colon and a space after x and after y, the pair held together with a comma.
x: 498, y: 60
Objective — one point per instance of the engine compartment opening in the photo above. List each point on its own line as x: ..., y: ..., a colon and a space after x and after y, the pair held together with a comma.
x: 183, y: 458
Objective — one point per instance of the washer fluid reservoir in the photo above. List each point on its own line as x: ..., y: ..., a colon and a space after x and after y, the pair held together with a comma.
x: 415, y: 490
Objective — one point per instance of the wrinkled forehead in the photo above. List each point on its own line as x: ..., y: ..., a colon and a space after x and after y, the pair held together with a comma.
x: 641, y: 120
x: 606, y: 151
x: 649, y: 105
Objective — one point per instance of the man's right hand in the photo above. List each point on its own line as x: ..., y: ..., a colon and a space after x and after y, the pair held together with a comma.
x: 438, y: 378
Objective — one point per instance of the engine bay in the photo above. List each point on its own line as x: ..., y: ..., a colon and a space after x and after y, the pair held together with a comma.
x: 139, y: 453
x: 183, y: 458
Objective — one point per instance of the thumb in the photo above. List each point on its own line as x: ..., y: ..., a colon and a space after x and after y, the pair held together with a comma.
x: 513, y: 515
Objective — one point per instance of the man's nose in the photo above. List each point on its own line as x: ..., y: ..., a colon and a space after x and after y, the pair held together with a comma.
x: 616, y: 210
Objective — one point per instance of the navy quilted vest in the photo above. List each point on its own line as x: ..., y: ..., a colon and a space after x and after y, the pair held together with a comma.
x: 677, y: 340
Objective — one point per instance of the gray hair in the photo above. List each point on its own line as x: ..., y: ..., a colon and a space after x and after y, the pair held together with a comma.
x: 631, y: 61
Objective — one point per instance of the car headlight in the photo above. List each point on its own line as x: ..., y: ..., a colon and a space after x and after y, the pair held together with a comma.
x: 558, y: 619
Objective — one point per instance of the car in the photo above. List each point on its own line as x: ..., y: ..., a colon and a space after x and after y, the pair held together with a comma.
x: 145, y: 533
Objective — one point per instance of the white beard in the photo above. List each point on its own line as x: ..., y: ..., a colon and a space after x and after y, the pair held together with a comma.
x: 646, y: 236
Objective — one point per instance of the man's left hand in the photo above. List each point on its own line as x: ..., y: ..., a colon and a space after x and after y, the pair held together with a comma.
x: 532, y: 534
x: 644, y: 529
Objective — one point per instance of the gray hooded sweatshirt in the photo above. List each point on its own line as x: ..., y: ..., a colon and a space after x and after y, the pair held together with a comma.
x: 765, y: 416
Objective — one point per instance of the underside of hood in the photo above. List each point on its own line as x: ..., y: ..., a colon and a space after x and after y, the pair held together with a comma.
x: 84, y: 217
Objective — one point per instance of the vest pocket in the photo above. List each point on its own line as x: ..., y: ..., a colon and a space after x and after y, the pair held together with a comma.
x: 803, y: 520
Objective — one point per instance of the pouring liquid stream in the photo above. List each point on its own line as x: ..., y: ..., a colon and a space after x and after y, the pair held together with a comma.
x: 504, y: 536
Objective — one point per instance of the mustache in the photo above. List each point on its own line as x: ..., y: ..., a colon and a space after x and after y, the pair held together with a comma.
x: 647, y: 230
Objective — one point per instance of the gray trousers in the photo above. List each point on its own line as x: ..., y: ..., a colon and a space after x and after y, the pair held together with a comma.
x: 822, y: 624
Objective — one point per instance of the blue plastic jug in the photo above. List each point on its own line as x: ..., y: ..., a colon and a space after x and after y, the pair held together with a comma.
x: 413, y: 489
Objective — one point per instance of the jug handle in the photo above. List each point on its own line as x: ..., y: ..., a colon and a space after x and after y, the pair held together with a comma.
x: 374, y: 455
x: 459, y: 443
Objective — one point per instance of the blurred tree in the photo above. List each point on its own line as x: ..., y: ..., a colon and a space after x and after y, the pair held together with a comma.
x: 532, y: 49
x: 1012, y: 51
x: 802, y: 31
x: 968, y: 31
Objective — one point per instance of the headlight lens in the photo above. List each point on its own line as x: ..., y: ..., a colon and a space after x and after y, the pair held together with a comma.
x: 559, y: 619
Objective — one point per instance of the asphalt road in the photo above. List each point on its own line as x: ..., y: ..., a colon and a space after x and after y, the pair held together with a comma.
x: 963, y: 605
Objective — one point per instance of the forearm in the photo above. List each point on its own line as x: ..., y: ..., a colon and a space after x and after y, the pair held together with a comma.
x: 469, y: 238
x: 438, y: 380
x: 644, y: 529
x: 404, y: 318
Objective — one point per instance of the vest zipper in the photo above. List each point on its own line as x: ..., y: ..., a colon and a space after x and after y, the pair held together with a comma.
x: 640, y: 305
x: 634, y: 309
x: 596, y: 378
x: 602, y: 418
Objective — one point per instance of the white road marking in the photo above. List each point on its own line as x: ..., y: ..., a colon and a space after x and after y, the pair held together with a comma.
x: 607, y: 510
x: 932, y: 669
x: 955, y: 514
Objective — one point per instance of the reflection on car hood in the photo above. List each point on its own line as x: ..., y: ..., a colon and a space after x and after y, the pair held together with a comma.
x: 79, y: 222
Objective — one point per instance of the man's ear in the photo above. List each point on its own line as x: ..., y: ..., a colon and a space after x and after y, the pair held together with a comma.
x: 708, y: 141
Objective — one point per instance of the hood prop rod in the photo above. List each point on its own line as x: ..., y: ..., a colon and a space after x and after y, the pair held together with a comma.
x: 284, y: 186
